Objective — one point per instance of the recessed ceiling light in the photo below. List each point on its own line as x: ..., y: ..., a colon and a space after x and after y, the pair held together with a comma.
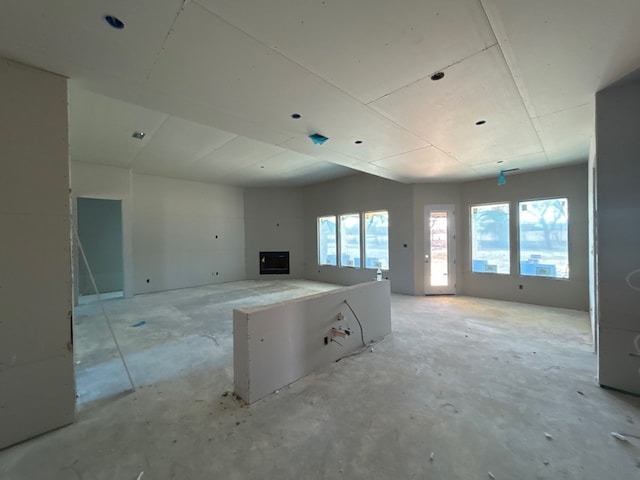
x: 437, y: 76
x: 500, y: 161
x: 358, y: 142
x: 296, y: 116
x: 481, y: 122
x: 114, y: 22
x: 138, y: 135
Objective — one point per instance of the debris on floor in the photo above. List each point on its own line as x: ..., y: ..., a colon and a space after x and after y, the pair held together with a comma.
x: 617, y: 436
x: 139, y: 324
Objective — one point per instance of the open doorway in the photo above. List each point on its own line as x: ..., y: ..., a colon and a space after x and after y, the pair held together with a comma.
x: 100, y: 232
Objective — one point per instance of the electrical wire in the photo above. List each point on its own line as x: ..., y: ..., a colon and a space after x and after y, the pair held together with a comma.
x: 364, y: 344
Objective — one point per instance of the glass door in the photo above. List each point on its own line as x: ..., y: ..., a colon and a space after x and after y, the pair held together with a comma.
x: 439, y: 256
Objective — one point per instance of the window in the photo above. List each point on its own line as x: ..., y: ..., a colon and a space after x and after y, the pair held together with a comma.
x: 376, y: 239
x: 490, y: 238
x: 327, y: 245
x: 350, y: 240
x: 544, y: 246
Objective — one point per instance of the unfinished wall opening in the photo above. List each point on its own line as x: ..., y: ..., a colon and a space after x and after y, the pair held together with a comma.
x: 100, y: 232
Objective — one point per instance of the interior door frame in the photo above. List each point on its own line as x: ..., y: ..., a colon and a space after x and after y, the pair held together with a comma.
x: 126, y: 260
x: 450, y: 289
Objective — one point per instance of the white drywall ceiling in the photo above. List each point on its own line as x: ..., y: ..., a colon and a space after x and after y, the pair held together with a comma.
x: 213, y: 83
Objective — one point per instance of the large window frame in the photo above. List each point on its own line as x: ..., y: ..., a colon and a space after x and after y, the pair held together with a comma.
x: 327, y: 235
x: 490, y: 234
x: 353, y: 240
x: 375, y: 239
x: 543, y: 238
x: 350, y: 240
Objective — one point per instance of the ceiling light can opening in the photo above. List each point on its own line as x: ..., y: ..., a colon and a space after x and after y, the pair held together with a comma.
x: 139, y: 135
x: 114, y: 22
x: 296, y: 116
x: 437, y: 76
x: 358, y: 142
x: 481, y: 122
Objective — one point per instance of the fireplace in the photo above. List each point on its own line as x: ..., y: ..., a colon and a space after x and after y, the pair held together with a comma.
x: 274, y: 263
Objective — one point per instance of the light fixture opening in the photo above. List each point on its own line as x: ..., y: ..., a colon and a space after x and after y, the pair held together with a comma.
x: 481, y: 122
x: 437, y: 76
x: 296, y: 116
x: 138, y: 135
x: 358, y: 142
x: 114, y: 22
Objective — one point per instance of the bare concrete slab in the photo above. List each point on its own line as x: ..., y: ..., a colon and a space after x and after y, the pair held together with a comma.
x: 476, y: 382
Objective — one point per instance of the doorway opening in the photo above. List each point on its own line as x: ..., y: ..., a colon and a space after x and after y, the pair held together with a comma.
x: 439, y: 251
x: 100, y: 233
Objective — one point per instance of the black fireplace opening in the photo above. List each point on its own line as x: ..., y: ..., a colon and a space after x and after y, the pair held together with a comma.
x: 274, y: 263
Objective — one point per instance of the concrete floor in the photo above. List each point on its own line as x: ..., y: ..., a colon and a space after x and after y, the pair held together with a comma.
x: 477, y: 382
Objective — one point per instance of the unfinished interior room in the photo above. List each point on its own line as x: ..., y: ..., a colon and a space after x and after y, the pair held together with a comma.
x: 319, y: 239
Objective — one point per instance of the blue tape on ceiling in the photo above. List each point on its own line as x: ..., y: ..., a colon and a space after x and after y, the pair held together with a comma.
x: 318, y: 139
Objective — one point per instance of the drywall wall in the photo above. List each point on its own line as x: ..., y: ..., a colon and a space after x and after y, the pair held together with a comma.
x: 434, y: 194
x: 570, y: 182
x: 278, y: 344
x: 37, y: 390
x: 170, y: 235
x: 186, y: 233
x: 100, y: 231
x: 98, y: 181
x: 273, y: 221
x: 592, y: 214
x: 355, y: 194
x: 618, y: 233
